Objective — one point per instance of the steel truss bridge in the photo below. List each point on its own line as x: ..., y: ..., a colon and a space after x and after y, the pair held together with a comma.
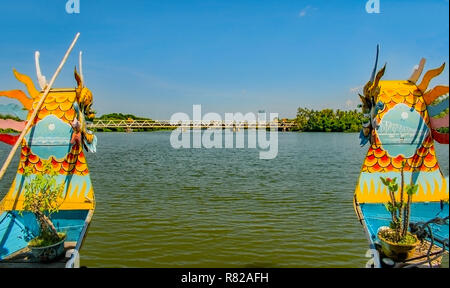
x: 129, y: 125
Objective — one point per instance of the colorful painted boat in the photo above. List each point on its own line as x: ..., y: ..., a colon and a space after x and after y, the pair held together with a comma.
x: 51, y: 139
x: 403, y: 119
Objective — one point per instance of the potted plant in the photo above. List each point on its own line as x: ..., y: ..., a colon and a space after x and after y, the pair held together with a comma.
x: 396, y: 241
x: 42, y: 197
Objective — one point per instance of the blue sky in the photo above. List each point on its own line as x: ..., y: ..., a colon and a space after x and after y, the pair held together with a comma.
x: 156, y: 58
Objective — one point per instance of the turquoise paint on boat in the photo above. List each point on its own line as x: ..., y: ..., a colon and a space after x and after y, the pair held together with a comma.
x: 16, y: 229
x: 376, y: 216
x: 14, y: 110
x: 402, y: 131
x: 437, y: 109
x: 50, y: 137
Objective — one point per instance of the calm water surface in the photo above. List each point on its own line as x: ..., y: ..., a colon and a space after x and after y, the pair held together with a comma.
x: 162, y: 207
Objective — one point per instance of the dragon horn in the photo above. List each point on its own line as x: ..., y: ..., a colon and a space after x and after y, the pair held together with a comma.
x: 81, y: 67
x: 372, y: 78
x: 41, y: 79
x: 417, y: 72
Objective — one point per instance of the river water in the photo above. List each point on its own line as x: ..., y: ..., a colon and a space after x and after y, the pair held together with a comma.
x: 163, y: 207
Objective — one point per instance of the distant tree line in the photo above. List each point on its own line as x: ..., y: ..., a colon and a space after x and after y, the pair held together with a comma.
x: 5, y: 117
x: 120, y: 116
x: 328, y: 120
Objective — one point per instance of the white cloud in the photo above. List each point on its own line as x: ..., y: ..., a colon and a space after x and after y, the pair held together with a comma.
x: 356, y: 89
x: 303, y: 12
x: 349, y: 103
x: 352, y: 103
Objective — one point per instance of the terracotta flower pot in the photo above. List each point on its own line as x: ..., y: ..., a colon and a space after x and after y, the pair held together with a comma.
x: 396, y: 251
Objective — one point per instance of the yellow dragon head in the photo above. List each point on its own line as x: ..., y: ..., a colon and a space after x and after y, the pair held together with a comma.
x: 64, y: 103
x: 402, y: 120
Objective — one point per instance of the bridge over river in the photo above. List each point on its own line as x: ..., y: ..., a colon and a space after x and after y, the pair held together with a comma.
x: 130, y: 124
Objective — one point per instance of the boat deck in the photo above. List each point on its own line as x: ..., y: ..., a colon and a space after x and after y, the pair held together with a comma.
x: 419, y: 257
x: 24, y: 259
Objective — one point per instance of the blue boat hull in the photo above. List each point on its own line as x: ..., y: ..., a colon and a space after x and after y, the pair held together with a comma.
x: 17, y: 229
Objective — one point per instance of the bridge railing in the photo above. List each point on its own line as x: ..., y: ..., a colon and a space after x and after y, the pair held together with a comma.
x: 136, y: 124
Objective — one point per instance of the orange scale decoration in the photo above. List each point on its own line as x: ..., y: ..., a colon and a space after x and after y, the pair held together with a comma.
x: 389, y: 168
x: 39, y: 166
x: 397, y: 162
x: 417, y: 93
x: 42, y: 114
x: 375, y: 168
x: 379, y: 152
x: 397, y: 98
x: 422, y: 151
x: 26, y: 150
x: 71, y: 158
x: 75, y: 149
x: 424, y: 168
x: 432, y: 151
x: 58, y: 113
x: 420, y: 106
x: 65, y: 106
x: 23, y: 164
x: 70, y: 168
x: 69, y: 115
x: 80, y: 166
x: 85, y: 172
x: 33, y: 158
x: 403, y: 91
x: 385, y: 98
x: 81, y: 158
x: 72, y: 97
x: 389, y: 105
x: 428, y: 142
x: 59, y: 98
x: 371, y: 169
x: 50, y: 99
x: 384, y: 161
x: 415, y: 162
x: 407, y: 167
x: 66, y: 166
x: 370, y: 160
x: 55, y: 165
x: 50, y: 106
x: 410, y: 99
x: 429, y: 161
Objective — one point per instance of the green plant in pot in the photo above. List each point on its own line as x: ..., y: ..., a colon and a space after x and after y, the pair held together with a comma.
x: 396, y: 241
x: 42, y: 197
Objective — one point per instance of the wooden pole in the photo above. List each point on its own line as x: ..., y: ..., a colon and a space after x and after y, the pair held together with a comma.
x: 36, y: 110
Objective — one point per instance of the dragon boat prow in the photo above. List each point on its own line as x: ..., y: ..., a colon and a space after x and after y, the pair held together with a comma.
x: 58, y: 139
x: 403, y: 122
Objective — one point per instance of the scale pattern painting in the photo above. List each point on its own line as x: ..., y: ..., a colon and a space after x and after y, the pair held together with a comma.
x: 403, y: 134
